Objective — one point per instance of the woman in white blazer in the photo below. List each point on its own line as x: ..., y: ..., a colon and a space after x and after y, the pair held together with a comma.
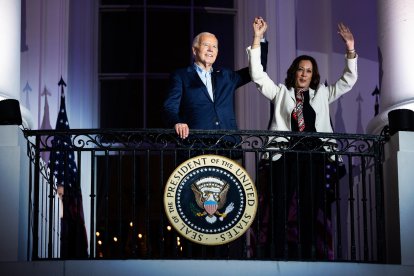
x: 298, y: 180
x: 303, y: 74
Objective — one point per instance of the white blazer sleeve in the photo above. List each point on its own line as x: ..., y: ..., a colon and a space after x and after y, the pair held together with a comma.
x: 263, y: 83
x: 346, y: 81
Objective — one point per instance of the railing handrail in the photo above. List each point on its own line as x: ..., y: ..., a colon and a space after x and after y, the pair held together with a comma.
x: 84, y: 131
x: 258, y: 140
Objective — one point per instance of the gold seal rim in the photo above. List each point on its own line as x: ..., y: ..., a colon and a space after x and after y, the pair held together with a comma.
x: 231, y: 166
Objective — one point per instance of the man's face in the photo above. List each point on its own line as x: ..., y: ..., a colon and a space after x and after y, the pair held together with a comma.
x: 206, y: 51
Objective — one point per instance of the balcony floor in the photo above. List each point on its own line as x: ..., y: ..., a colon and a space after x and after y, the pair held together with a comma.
x: 198, y: 267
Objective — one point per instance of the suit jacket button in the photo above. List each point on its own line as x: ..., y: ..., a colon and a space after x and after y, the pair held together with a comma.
x: 217, y: 123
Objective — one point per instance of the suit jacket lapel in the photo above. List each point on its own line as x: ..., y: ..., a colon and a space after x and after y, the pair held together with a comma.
x: 292, y: 94
x: 198, y: 83
x: 214, y: 76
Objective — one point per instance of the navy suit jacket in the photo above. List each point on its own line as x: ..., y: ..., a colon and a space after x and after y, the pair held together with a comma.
x: 188, y: 100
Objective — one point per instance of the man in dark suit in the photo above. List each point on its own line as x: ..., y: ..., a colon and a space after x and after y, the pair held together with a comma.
x: 201, y: 97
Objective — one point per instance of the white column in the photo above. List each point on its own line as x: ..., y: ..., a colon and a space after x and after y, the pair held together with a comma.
x: 10, y: 11
x: 13, y: 184
x: 396, y: 42
x: 10, y: 49
x: 399, y: 204
x: 14, y: 199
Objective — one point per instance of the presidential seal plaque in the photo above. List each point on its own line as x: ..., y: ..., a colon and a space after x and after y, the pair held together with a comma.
x: 210, y: 200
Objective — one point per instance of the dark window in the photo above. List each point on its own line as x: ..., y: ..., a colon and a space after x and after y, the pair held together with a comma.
x: 122, y: 44
x: 119, y: 101
x: 141, y: 42
x: 168, y: 40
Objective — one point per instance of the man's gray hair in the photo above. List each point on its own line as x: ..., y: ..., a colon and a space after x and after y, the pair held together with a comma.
x: 196, y: 39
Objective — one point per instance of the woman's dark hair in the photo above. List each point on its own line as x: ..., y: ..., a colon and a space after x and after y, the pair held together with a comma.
x: 290, y: 78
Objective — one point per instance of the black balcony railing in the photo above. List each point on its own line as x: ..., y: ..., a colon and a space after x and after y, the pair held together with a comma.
x: 320, y: 195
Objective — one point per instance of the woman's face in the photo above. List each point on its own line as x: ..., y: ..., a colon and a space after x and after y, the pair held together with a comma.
x: 304, y: 74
